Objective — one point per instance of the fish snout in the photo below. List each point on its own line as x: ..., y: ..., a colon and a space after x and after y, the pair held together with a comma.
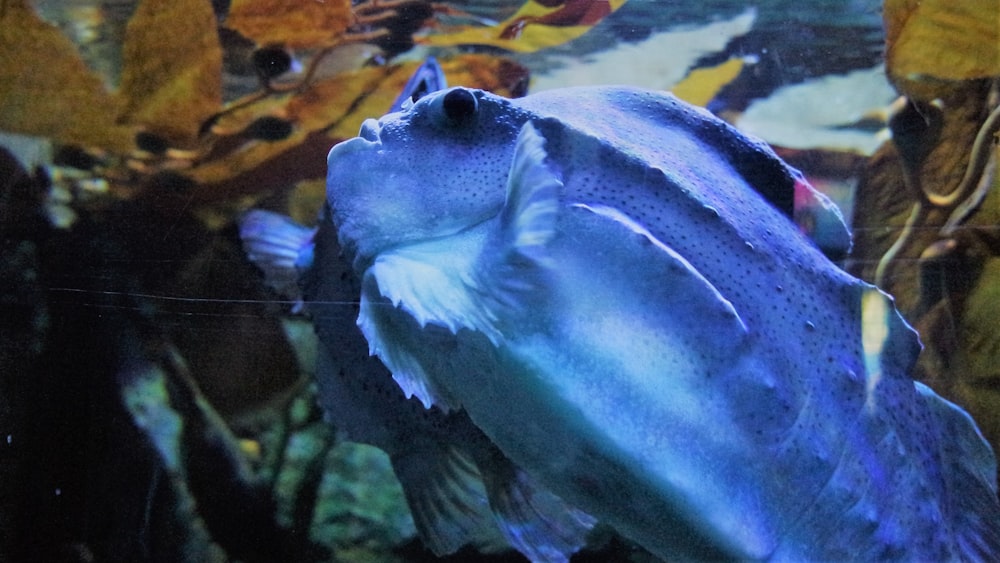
x: 369, y: 130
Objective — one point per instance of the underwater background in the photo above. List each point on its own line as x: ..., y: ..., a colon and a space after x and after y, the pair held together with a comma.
x: 156, y: 400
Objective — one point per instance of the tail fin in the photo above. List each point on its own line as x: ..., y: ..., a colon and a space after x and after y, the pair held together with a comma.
x: 280, y: 247
x: 970, y: 473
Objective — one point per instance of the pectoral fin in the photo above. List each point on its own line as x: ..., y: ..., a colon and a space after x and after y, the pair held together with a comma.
x: 390, y: 332
x: 432, y: 283
x: 421, y: 296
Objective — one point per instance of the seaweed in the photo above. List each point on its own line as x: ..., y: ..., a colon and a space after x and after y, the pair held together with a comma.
x: 927, y: 206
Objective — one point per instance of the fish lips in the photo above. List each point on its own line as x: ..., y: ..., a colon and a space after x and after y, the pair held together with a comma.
x: 343, y: 160
x: 370, y: 130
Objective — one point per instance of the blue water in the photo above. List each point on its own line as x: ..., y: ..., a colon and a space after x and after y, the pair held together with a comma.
x: 791, y: 40
x: 837, y: 30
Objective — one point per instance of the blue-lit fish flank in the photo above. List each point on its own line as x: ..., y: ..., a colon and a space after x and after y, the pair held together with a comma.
x: 607, y: 284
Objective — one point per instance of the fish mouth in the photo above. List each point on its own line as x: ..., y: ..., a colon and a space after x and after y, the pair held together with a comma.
x: 367, y: 137
x: 369, y: 130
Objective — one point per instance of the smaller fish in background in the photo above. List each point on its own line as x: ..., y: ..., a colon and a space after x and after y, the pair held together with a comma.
x: 460, y: 488
x: 428, y: 78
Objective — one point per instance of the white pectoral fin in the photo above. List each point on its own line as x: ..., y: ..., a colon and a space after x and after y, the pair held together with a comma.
x: 395, y: 337
x: 432, y: 283
x: 416, y: 297
x: 414, y: 301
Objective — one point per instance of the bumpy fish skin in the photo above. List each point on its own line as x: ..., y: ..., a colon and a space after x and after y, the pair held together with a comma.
x: 674, y: 356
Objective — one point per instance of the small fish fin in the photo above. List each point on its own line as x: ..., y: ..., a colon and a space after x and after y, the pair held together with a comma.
x: 527, y: 224
x: 448, y: 500
x: 528, y: 218
x: 970, y: 474
x: 390, y: 324
x: 536, y: 522
x: 426, y: 79
x: 280, y: 248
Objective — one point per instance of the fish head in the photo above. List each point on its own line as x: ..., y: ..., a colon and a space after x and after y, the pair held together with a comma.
x: 432, y: 170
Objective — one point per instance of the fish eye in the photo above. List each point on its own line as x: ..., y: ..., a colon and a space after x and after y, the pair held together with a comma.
x: 271, y: 62
x: 459, y: 105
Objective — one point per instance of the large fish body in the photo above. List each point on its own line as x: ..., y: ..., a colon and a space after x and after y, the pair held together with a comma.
x: 608, y: 282
x: 460, y: 488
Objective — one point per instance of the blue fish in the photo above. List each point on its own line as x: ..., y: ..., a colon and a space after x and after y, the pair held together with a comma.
x: 607, y: 281
x: 460, y: 488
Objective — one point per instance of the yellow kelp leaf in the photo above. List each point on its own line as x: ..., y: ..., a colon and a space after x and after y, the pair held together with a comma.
x: 703, y: 84
x: 499, y: 75
x: 533, y: 27
x: 251, y: 155
x: 172, y: 75
x: 325, y: 112
x: 45, y: 87
x: 495, y: 74
x: 942, y: 40
x: 321, y: 106
x: 340, y: 104
x: 292, y: 23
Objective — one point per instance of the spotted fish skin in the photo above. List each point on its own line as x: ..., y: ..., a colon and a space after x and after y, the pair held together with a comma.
x: 674, y: 356
x: 460, y: 488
